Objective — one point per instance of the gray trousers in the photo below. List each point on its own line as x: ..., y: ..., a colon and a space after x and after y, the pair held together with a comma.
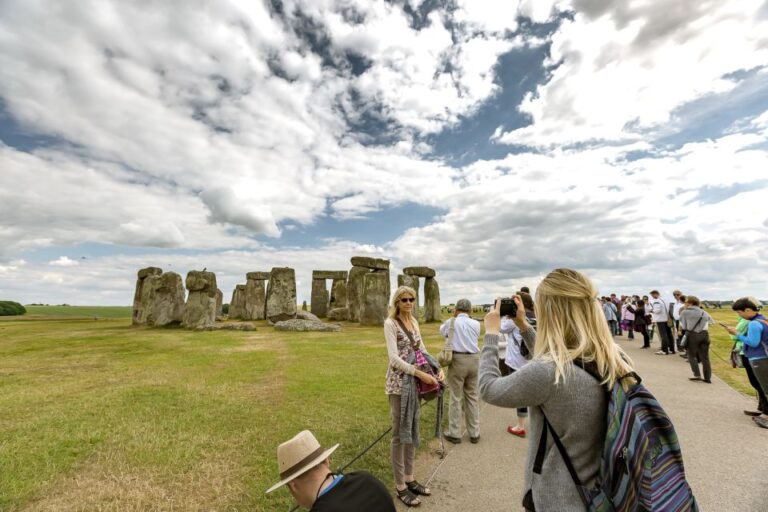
x: 402, y: 454
x: 462, y: 381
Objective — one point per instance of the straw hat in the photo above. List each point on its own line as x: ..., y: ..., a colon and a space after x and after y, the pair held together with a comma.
x: 298, y: 455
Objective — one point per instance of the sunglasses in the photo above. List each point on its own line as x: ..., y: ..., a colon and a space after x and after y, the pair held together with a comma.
x: 408, y: 300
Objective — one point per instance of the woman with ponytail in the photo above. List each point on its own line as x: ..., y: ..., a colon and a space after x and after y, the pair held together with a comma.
x: 571, y: 328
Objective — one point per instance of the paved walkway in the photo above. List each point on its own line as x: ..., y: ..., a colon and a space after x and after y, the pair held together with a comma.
x: 725, y: 453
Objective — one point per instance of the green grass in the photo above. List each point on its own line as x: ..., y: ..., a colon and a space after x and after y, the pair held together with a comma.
x: 97, y: 415
x: 81, y: 311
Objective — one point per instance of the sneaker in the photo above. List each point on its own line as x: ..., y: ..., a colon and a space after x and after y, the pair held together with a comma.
x: 474, y: 440
x: 516, y: 431
x: 451, y: 439
x: 661, y: 353
x: 761, y: 422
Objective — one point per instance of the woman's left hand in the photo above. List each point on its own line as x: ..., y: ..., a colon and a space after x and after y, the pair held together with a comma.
x: 441, y: 375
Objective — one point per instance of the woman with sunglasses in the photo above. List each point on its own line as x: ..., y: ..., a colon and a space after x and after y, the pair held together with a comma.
x: 401, y: 332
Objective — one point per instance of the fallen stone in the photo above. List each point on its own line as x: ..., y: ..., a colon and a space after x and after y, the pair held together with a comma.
x: 338, y: 314
x: 419, y: 271
x: 299, y: 325
x: 306, y: 315
x: 281, y: 294
x: 372, y: 263
x: 229, y: 326
x: 329, y: 274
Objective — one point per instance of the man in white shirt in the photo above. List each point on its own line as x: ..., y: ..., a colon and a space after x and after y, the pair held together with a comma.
x: 462, y: 373
x: 660, y: 317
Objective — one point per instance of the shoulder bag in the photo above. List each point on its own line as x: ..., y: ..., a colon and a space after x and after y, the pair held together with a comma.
x: 426, y: 391
x: 445, y: 356
x: 684, y: 339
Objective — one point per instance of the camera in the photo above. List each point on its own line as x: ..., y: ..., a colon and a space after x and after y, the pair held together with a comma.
x: 508, y: 307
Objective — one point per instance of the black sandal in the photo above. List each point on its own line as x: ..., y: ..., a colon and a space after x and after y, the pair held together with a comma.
x: 416, y: 488
x: 407, y: 497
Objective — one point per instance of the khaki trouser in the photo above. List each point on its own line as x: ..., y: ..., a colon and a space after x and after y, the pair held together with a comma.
x: 462, y: 381
x: 402, y: 454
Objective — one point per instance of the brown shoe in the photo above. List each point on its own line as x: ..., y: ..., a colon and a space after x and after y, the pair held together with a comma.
x: 752, y: 413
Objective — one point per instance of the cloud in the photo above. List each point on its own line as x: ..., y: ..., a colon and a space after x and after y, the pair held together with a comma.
x: 619, y: 69
x: 63, y: 261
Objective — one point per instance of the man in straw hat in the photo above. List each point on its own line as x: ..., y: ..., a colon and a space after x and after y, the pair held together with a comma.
x: 305, y: 468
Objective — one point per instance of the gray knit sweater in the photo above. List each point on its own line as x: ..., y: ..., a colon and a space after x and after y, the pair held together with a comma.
x: 576, y: 408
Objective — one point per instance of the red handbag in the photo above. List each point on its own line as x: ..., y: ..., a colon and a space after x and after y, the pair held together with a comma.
x: 426, y: 391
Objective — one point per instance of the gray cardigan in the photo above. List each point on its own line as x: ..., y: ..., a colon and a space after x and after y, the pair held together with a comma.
x: 576, y: 408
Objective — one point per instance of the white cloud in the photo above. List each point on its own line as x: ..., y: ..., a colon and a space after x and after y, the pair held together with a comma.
x: 624, y: 67
x: 63, y: 261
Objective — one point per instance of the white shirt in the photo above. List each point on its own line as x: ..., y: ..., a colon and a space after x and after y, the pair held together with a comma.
x: 514, y: 359
x: 466, y: 332
x: 658, y: 310
x: 676, y: 307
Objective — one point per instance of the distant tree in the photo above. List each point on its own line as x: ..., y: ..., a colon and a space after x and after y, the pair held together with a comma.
x: 225, y: 309
x: 10, y: 308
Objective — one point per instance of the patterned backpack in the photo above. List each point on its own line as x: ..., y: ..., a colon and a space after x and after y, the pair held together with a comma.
x: 642, y: 465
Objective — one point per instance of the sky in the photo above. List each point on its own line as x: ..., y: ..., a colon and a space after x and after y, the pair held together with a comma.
x: 491, y: 140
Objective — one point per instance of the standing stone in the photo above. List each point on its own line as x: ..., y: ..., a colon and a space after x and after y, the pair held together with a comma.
x: 138, y: 308
x: 319, y: 299
x: 431, y: 300
x: 255, y: 298
x: 237, y: 305
x: 374, y: 303
x: 304, y: 306
x: 355, y: 292
x: 338, y: 294
x: 412, y: 282
x: 281, y: 294
x: 200, y: 311
x: 166, y: 304
x: 219, y: 304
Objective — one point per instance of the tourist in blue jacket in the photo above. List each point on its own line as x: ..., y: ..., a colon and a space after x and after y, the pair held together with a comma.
x: 755, y: 345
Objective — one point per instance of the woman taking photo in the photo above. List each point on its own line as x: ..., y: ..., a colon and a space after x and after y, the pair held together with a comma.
x: 404, y: 343
x: 571, y: 325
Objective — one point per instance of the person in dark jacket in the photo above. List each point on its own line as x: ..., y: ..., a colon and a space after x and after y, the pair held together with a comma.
x: 641, y: 323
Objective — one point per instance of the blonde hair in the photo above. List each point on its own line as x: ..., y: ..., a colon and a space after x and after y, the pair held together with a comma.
x: 394, y: 307
x: 571, y: 325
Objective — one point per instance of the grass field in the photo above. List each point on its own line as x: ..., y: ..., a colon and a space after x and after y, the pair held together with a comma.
x: 80, y: 311
x: 97, y: 415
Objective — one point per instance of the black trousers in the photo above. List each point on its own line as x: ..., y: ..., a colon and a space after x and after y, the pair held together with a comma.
x: 762, y: 401
x: 665, y: 334
x: 698, y: 352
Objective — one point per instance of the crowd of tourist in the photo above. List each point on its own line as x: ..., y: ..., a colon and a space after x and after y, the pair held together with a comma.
x: 525, y: 361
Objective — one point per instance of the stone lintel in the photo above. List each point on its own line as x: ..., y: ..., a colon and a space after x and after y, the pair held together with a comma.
x: 372, y: 263
x: 329, y: 274
x: 419, y: 271
x: 258, y: 276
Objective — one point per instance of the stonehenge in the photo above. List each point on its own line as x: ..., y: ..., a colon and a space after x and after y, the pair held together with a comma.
x: 159, y: 298
x: 367, y: 291
x: 255, y: 298
x: 320, y: 300
x: 281, y: 295
x: 360, y: 294
x: 138, y: 305
x: 411, y: 277
x: 237, y: 304
x: 200, y: 310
